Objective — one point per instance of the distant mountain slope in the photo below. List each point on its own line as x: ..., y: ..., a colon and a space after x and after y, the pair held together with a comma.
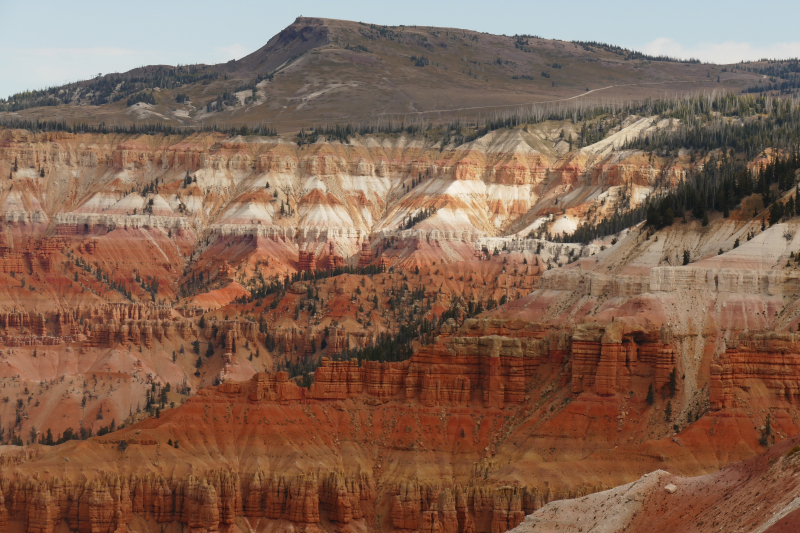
x: 319, y: 71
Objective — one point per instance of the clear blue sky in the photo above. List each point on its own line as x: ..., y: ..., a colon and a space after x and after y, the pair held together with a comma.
x: 50, y: 42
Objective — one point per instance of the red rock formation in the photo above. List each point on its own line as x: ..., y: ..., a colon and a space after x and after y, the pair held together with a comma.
x: 96, y: 509
x: 3, y: 510
x: 275, y: 497
x: 306, y: 262
x: 365, y: 255
x: 605, y: 357
x: 507, y: 509
x: 449, y: 515
x: 302, y: 499
x: 41, y: 513
x: 341, y: 498
x: 333, y: 260
x: 10, y: 261
x: 771, y: 358
x: 406, y: 505
x: 430, y: 521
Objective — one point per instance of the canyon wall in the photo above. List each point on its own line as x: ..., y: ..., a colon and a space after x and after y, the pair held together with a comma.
x: 769, y: 358
x: 212, y: 186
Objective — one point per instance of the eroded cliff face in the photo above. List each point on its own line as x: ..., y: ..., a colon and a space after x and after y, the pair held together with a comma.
x: 489, y: 423
x: 208, y: 502
x: 207, y: 185
x: 601, y: 363
x: 769, y: 359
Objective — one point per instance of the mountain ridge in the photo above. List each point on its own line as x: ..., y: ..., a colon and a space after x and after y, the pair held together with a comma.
x: 318, y: 71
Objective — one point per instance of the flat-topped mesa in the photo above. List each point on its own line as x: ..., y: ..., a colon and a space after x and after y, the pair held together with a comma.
x: 604, y: 358
x: 771, y: 358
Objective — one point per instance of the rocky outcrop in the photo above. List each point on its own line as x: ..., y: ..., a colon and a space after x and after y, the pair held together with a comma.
x: 594, y: 284
x: 725, y: 280
x: 211, y: 502
x: 406, y: 505
x: 302, y: 499
x: 466, y: 509
x: 605, y: 357
x: 306, y: 262
x: 494, y: 360
x: 488, y: 361
x: 772, y: 359
x: 506, y: 509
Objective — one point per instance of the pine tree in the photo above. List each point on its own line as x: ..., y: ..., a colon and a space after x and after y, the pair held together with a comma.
x: 673, y: 383
x: 668, y: 411
x: 766, y: 433
x: 651, y: 395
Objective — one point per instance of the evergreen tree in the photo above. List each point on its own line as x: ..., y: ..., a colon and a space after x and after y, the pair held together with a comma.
x: 766, y: 432
x: 673, y: 383
x: 775, y: 213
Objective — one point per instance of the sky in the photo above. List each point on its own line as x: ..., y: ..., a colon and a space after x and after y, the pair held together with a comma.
x: 53, y: 42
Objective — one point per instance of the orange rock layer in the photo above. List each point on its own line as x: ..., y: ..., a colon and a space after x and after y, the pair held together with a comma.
x: 210, y: 502
x: 771, y: 358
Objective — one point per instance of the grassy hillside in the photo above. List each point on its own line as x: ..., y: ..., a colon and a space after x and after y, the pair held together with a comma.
x: 322, y: 71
